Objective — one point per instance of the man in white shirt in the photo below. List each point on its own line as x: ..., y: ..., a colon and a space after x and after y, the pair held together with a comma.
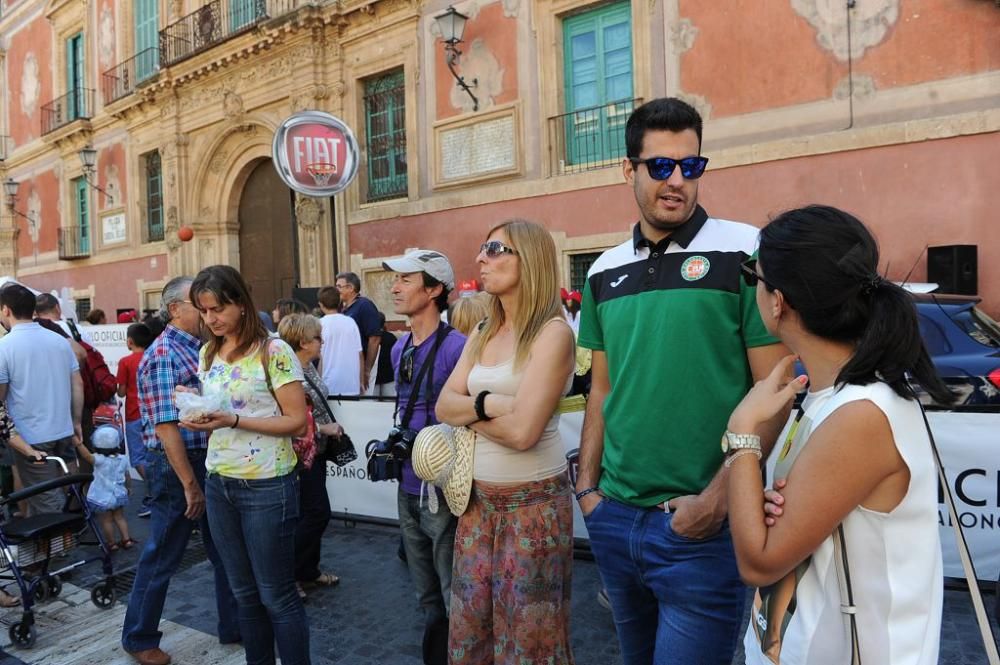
x: 40, y: 382
x: 342, y: 357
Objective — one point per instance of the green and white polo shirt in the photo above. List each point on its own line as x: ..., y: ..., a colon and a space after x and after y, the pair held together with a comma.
x: 675, y: 320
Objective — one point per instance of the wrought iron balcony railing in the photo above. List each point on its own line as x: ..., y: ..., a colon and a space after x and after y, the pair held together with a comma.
x: 122, y: 79
x: 76, y: 104
x: 74, y: 242
x: 211, y: 24
x: 590, y: 138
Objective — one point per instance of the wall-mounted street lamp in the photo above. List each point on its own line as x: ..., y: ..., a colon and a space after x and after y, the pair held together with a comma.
x: 452, y: 25
x: 88, y: 157
x: 10, y: 193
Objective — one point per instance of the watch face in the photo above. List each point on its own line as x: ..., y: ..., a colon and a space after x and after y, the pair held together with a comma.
x: 725, y: 443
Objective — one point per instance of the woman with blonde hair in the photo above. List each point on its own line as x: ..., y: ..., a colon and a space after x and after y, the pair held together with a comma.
x: 514, y: 544
x: 466, y: 312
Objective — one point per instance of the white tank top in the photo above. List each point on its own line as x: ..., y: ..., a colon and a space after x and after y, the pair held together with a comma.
x: 496, y: 463
x: 894, y: 559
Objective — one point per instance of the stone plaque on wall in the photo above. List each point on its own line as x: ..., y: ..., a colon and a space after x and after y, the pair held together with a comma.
x: 478, y: 149
x: 376, y: 287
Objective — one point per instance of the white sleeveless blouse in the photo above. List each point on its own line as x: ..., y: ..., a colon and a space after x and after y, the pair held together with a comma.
x: 894, y: 558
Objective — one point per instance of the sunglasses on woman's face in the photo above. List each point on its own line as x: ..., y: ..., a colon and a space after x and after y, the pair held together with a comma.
x: 661, y: 168
x: 495, y: 248
x: 750, y: 275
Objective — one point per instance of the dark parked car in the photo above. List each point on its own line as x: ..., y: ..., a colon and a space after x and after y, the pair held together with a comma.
x: 964, y: 343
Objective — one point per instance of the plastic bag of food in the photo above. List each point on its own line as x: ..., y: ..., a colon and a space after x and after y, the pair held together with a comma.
x: 194, y: 407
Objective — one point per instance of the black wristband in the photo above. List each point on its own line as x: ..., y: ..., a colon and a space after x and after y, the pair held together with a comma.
x: 589, y: 490
x: 237, y: 423
x: 481, y: 405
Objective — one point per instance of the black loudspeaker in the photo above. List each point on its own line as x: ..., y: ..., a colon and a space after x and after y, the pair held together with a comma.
x: 954, y: 268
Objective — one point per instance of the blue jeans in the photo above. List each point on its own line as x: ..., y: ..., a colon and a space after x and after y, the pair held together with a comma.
x: 169, y: 532
x: 674, y: 600
x: 429, y: 542
x: 257, y: 519
x: 136, y: 448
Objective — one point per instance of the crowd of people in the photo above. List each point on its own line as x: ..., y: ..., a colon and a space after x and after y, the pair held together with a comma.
x: 689, y: 330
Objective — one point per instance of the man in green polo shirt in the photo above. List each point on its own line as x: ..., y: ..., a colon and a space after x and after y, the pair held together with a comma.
x: 677, y: 342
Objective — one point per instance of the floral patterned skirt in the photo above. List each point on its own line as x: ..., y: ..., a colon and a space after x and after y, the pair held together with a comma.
x: 510, y: 589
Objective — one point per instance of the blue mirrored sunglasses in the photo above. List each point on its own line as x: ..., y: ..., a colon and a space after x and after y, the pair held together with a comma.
x: 661, y: 168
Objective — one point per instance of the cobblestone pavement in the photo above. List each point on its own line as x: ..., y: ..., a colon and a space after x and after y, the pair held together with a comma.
x: 370, y: 618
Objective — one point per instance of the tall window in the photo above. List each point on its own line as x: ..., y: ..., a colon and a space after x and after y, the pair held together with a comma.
x: 598, y: 75
x: 579, y: 264
x: 83, y: 307
x: 242, y: 13
x: 147, y: 51
x: 76, y: 103
x: 154, y: 197
x: 385, y: 132
x: 82, y: 235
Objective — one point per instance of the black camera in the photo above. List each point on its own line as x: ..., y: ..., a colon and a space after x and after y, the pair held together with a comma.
x: 385, y: 458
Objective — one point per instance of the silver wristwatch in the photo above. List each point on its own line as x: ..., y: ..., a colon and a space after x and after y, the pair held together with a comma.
x: 732, y: 442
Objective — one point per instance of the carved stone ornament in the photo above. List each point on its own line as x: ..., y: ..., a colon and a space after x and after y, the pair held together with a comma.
x: 170, y: 230
x: 307, y: 211
x: 232, y: 106
x: 682, y: 35
x: 219, y: 162
x: 870, y: 22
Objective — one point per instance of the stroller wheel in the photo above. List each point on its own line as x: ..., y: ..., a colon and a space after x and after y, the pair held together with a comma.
x: 55, y: 586
x: 41, y: 590
x: 22, y: 634
x: 104, y: 595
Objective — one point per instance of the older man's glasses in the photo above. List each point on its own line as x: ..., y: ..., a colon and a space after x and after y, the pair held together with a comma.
x: 495, y: 248
x: 661, y: 168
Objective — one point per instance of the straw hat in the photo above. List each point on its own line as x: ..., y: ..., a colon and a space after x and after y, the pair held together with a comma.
x: 442, y: 456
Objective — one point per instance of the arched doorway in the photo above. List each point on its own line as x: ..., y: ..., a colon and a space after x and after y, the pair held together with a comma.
x: 267, y: 236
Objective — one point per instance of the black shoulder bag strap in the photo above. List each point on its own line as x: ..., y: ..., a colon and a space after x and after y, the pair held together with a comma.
x: 326, y: 406
x: 426, y: 370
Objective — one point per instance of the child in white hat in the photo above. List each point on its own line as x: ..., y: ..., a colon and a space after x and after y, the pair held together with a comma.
x: 108, y: 494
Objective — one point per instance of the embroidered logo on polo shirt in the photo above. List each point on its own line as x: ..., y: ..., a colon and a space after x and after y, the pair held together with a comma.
x: 614, y: 284
x: 694, y: 268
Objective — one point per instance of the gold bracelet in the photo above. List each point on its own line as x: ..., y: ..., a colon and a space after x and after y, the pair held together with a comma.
x: 743, y: 451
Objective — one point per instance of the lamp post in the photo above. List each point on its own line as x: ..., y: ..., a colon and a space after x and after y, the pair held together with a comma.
x: 452, y: 26
x: 10, y: 193
x: 88, y: 157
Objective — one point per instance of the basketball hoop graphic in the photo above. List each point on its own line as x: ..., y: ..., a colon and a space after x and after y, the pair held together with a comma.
x: 321, y: 173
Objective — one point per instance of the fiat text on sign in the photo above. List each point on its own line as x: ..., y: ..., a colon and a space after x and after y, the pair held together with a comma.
x: 315, y: 153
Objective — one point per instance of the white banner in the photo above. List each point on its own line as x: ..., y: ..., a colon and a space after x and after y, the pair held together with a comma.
x: 967, y: 441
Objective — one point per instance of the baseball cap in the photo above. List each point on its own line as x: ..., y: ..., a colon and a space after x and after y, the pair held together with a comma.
x: 433, y: 263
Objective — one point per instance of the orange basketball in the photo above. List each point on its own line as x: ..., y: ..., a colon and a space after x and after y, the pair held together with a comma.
x: 185, y: 233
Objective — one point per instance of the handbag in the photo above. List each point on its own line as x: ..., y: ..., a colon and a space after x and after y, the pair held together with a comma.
x: 844, y: 574
x: 305, y: 445
x: 340, y: 451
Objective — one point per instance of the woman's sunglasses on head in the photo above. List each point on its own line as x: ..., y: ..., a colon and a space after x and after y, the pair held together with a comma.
x: 661, y: 168
x: 495, y: 248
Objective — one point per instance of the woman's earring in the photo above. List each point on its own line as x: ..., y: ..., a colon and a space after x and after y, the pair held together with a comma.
x: 243, y: 312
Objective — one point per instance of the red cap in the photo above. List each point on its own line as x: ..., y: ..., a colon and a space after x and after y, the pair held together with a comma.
x: 127, y: 317
x: 577, y: 296
x: 563, y: 294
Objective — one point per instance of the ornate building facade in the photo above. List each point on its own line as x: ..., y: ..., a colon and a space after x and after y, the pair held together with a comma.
x: 890, y: 109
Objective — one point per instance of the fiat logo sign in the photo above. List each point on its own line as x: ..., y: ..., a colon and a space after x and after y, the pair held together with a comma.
x: 315, y: 153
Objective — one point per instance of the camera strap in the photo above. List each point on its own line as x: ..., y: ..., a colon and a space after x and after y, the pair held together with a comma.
x: 426, y: 370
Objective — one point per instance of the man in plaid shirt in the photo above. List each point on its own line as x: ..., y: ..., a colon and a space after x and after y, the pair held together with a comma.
x: 175, y: 471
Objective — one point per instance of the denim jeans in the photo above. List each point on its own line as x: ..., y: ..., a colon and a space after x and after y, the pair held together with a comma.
x: 429, y: 542
x: 314, y: 506
x: 169, y: 532
x: 257, y: 519
x: 674, y: 600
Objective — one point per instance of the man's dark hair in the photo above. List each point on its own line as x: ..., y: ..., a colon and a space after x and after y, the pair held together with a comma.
x: 155, y: 325
x: 666, y: 113
x: 352, y: 279
x: 45, y: 303
x: 19, y: 299
x: 329, y: 297
x: 140, y: 334
x: 442, y: 300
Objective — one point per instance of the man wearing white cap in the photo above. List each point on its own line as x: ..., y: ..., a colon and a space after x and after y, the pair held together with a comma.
x: 422, y: 360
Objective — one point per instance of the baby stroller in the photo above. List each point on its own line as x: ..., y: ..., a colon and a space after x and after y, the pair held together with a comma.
x: 28, y: 545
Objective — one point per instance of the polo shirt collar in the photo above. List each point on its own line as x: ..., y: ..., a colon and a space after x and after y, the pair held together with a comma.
x: 682, y: 235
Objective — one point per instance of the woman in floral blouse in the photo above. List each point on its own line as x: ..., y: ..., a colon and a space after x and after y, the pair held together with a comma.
x: 252, y: 489
x: 302, y: 333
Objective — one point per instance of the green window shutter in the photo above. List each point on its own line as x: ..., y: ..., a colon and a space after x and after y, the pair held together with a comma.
x: 147, y: 25
x: 82, y: 215
x: 154, y: 198
x: 75, y: 77
x: 385, y: 135
x: 241, y: 13
x: 597, y: 57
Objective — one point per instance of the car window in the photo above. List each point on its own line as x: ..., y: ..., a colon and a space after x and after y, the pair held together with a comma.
x: 934, y: 337
x: 983, y: 329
